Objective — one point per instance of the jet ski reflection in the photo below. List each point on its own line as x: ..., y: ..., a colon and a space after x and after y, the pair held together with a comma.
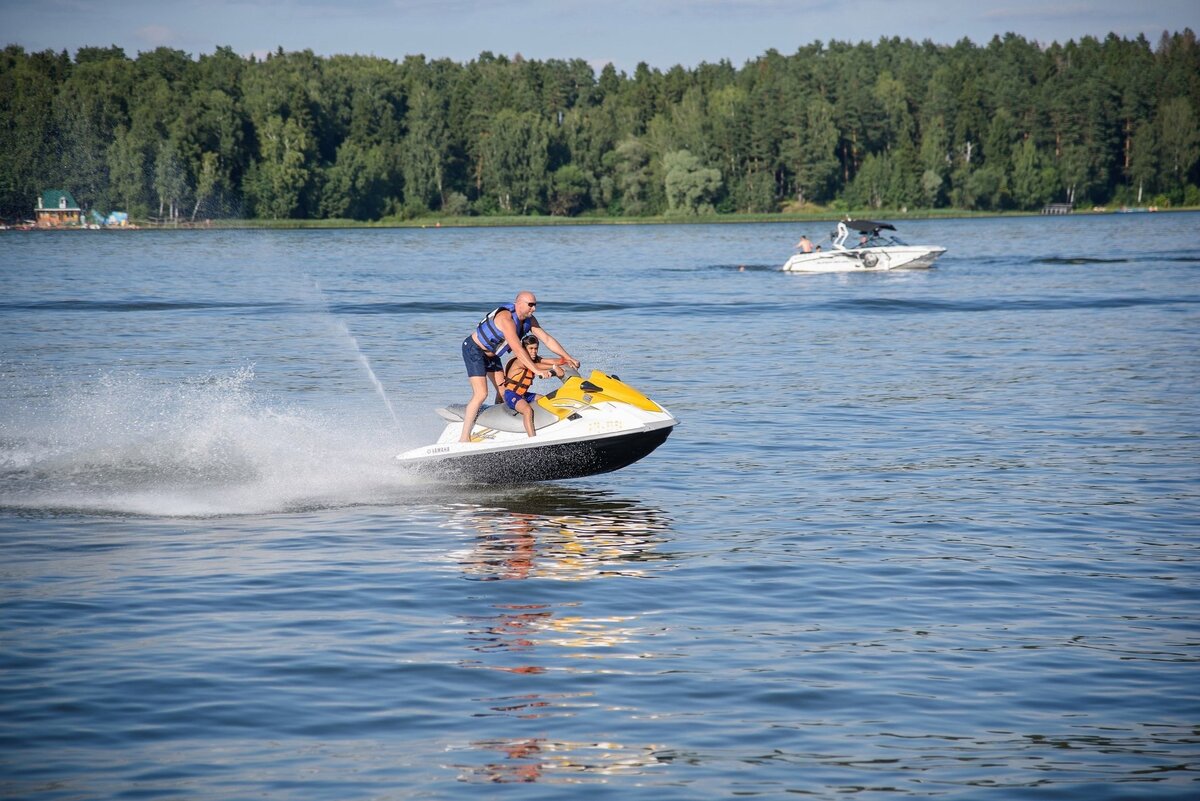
x: 553, y: 533
x: 560, y: 534
x: 568, y: 762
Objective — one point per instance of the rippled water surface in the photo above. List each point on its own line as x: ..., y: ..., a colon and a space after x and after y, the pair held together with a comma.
x: 929, y: 534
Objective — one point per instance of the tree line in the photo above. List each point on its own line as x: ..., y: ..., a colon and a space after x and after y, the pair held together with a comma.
x: 893, y: 124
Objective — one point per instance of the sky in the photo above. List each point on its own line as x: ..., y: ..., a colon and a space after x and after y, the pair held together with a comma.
x: 661, y: 33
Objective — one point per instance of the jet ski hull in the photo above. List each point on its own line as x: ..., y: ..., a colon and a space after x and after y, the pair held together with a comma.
x: 552, y: 461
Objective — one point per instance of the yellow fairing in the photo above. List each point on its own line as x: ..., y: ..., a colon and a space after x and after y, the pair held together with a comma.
x: 571, y: 395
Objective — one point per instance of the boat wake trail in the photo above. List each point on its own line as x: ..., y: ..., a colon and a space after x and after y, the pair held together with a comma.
x: 204, y: 447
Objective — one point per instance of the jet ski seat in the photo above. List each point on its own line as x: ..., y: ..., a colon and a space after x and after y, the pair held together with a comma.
x: 499, y: 417
x: 502, y: 418
x: 453, y: 413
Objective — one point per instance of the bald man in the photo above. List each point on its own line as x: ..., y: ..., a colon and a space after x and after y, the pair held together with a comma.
x: 496, y: 334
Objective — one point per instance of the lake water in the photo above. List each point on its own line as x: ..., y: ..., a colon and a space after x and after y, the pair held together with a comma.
x: 930, y: 534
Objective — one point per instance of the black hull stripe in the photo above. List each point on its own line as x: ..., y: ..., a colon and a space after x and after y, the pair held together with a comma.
x: 553, y: 462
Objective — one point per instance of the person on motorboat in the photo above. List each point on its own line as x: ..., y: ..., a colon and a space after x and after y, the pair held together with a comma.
x: 518, y: 379
x: 500, y: 332
x: 805, y: 244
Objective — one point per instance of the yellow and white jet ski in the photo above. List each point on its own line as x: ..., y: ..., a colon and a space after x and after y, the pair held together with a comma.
x: 587, y: 426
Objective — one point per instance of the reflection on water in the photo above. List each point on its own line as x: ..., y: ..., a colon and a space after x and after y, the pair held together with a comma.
x: 569, y: 762
x: 556, y: 535
x: 517, y: 628
x: 533, y: 707
x: 552, y: 533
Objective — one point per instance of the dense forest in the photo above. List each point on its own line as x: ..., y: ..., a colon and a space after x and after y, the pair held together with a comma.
x: 1012, y: 124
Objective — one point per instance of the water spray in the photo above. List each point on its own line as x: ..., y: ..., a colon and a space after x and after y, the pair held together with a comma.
x: 366, y: 365
x: 361, y: 356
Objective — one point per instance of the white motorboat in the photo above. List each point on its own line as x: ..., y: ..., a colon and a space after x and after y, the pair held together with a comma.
x: 875, y: 251
x: 585, y: 427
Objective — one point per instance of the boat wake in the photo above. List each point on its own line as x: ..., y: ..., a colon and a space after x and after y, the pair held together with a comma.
x: 207, y: 447
x: 1077, y: 260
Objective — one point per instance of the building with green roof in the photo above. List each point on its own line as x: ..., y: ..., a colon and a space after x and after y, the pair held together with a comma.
x: 57, y: 208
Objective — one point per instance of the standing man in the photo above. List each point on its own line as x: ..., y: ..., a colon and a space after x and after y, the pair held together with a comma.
x: 496, y: 334
x: 805, y: 245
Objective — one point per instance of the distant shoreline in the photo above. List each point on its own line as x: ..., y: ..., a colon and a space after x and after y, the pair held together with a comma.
x: 552, y: 221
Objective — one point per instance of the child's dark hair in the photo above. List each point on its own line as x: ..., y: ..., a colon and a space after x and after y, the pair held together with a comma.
x: 529, y: 339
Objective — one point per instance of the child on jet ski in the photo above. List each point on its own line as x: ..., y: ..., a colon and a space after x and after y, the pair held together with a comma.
x: 518, y: 378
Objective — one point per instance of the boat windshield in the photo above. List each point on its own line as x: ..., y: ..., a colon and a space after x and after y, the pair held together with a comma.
x: 880, y: 241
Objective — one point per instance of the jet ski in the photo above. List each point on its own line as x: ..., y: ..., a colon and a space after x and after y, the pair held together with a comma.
x: 585, y: 427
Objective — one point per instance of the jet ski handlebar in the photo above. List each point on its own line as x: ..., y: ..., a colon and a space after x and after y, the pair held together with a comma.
x: 567, y: 370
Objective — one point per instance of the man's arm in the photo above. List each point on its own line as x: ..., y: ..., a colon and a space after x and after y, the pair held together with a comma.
x: 552, y: 343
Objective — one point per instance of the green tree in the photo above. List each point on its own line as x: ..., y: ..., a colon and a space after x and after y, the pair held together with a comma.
x: 1179, y: 139
x: 170, y: 182
x: 630, y: 164
x: 569, y: 188
x: 359, y: 184
x: 208, y: 131
x: 643, y: 96
x: 1032, y: 180
x: 989, y: 186
x: 275, y: 186
x: 727, y: 114
x: 127, y: 170
x: 29, y: 137
x: 295, y: 134
x: 1075, y: 171
x: 425, y: 150
x: 935, y: 160
x: 883, y: 181
x: 892, y: 98
x: 690, y: 187
x: 89, y: 106
x: 1143, y: 159
x: 811, y: 151
x: 209, y: 183
x: 514, y: 158
x: 690, y: 123
x: 998, y: 143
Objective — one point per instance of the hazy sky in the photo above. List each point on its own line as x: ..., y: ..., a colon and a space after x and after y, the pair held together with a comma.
x: 660, y: 32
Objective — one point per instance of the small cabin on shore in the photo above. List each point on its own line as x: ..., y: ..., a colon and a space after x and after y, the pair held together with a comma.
x: 1057, y: 208
x: 57, y: 209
